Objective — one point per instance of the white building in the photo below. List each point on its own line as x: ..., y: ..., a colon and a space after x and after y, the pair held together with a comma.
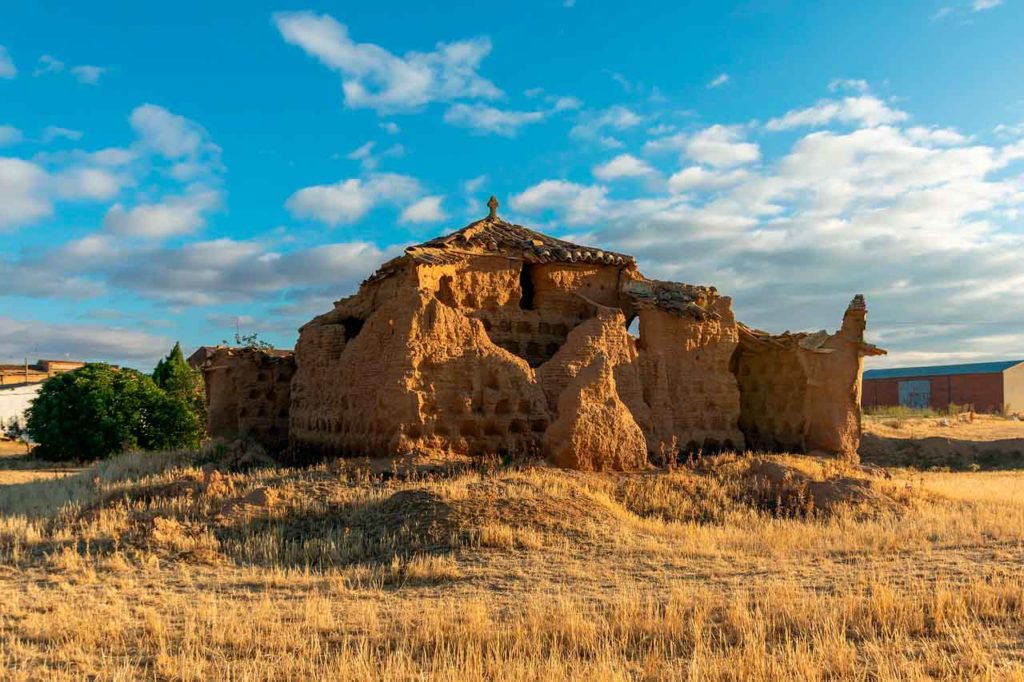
x: 14, y: 400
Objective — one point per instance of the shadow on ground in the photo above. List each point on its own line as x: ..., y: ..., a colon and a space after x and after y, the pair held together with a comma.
x: 937, y: 452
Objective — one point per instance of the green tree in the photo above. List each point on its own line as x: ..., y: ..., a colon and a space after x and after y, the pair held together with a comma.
x: 174, y: 376
x: 98, y: 411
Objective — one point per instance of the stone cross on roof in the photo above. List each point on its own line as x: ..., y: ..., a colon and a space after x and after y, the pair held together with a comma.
x: 492, y: 204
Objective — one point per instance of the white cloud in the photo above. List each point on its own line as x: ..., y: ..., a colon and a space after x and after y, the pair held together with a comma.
x: 425, y: 210
x: 22, y: 337
x: 623, y: 166
x: 210, y: 272
x: 51, y: 133
x: 373, y: 77
x: 9, y: 135
x: 484, y: 119
x: 698, y: 179
x: 591, y: 125
x: 89, y: 75
x: 853, y: 84
x: 85, y: 182
x: 174, y: 216
x: 721, y: 146
x: 1005, y: 130
x: 982, y: 5
x: 936, y: 136
x: 390, y: 127
x: 718, y: 81
x: 579, y: 204
x: 862, y: 110
x: 48, y: 64
x: 168, y: 134
x: 349, y: 200
x: 7, y: 68
x: 23, y: 192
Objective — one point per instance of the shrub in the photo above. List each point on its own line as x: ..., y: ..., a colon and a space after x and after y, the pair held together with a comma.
x: 98, y: 411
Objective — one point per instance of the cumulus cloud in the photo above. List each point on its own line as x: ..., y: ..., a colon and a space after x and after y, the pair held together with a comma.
x: 698, y: 179
x: 88, y: 74
x: 721, y: 146
x: 51, y: 133
x: 375, y: 78
x: 48, y: 64
x: 174, y: 216
x: 213, y: 271
x: 596, y: 125
x: 982, y: 5
x: 623, y: 166
x: 9, y: 135
x: 7, y: 68
x: 426, y: 210
x: 349, y: 200
x: 168, y: 134
x: 578, y: 204
x: 909, y: 216
x: 22, y: 337
x: 862, y: 110
x: 23, y: 192
x: 484, y: 119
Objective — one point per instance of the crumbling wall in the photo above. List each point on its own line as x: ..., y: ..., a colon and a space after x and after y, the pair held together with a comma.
x: 497, y: 339
x: 248, y: 395
x: 684, y: 366
x: 594, y: 429
x: 773, y: 385
x: 802, y: 392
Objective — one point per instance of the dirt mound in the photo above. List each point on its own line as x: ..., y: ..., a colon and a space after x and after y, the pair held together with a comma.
x: 787, y: 491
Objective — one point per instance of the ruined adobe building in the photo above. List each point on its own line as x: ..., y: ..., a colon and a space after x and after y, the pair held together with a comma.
x: 498, y: 339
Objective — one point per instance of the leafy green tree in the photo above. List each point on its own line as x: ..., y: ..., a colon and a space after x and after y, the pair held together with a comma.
x: 174, y: 376
x: 98, y: 411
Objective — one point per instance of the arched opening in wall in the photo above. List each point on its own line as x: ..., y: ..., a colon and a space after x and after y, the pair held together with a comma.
x: 352, y: 325
x: 526, y: 287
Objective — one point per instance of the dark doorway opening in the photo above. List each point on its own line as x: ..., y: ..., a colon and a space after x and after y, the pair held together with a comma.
x: 526, y: 287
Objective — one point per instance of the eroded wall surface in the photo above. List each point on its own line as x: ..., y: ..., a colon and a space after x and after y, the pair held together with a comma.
x: 498, y: 339
x: 802, y: 392
x: 489, y: 353
x: 248, y: 394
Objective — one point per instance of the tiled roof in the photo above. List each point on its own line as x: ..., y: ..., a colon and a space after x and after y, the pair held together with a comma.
x: 494, y: 235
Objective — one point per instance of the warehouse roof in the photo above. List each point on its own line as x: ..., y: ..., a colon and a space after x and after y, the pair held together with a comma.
x: 942, y: 370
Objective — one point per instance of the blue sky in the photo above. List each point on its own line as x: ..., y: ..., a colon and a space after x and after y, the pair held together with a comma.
x: 164, y: 171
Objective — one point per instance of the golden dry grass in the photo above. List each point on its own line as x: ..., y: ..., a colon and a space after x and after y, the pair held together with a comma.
x: 147, y: 567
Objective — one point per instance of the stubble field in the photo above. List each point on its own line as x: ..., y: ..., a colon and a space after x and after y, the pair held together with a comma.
x: 173, y: 566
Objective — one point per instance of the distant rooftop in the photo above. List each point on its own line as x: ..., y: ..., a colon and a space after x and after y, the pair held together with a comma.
x: 942, y: 370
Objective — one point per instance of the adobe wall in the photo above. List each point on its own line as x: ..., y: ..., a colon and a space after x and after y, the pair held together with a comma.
x: 773, y: 388
x: 498, y: 339
x: 684, y: 366
x: 248, y: 395
x: 479, y: 356
x: 802, y: 393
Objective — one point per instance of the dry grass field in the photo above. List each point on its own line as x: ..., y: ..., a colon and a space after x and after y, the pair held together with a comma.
x: 163, y: 566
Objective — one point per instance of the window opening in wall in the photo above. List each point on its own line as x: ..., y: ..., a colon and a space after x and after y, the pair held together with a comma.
x: 526, y: 287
